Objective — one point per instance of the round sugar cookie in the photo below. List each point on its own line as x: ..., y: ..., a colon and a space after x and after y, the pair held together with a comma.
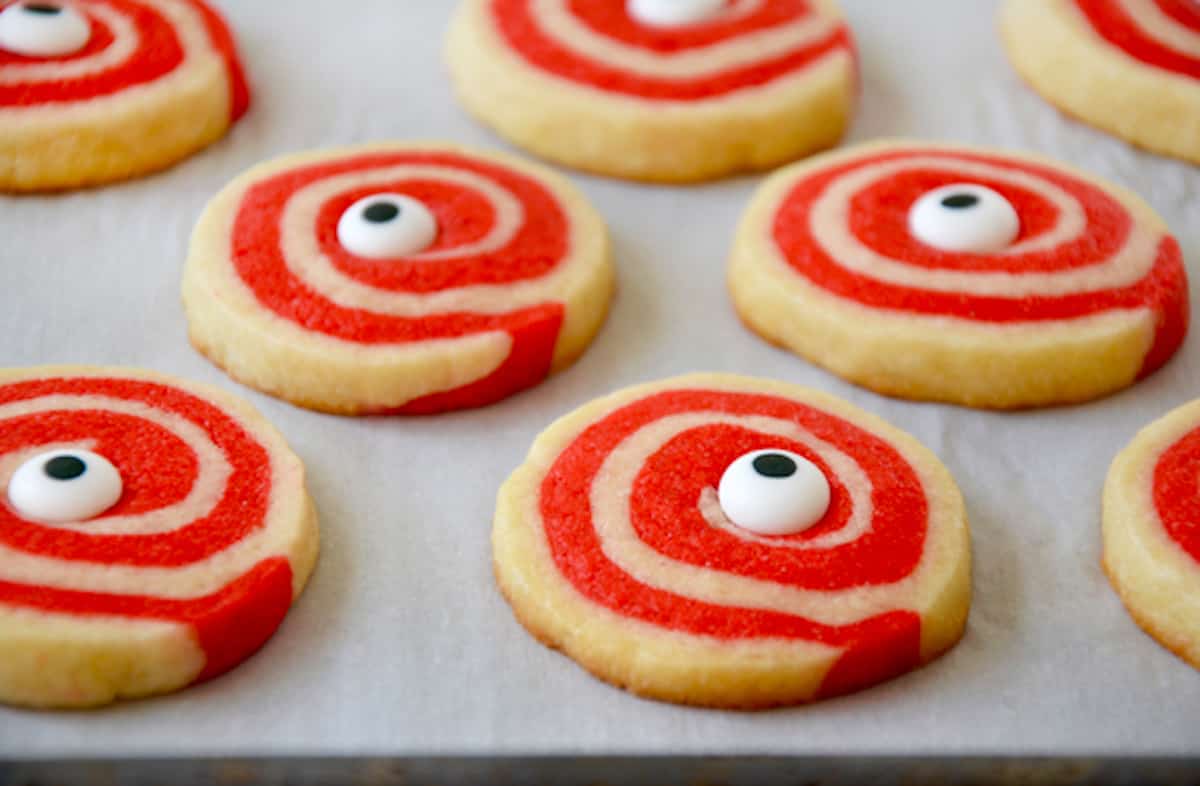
x: 1128, y: 67
x: 409, y: 278
x: 659, y: 90
x: 153, y: 533
x: 971, y: 276
x: 93, y: 91
x: 734, y: 542
x: 1152, y: 530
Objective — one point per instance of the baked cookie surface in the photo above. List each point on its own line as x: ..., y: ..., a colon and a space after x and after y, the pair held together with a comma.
x: 849, y: 564
x: 977, y: 277
x: 654, y: 89
x: 410, y: 278
x: 94, y: 91
x: 1128, y: 67
x: 1151, y: 530
x: 153, y: 533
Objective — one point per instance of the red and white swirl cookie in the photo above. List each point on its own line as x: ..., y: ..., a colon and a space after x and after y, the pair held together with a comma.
x: 93, y: 91
x: 1151, y: 530
x: 1128, y: 67
x: 409, y: 278
x: 734, y: 542
x: 153, y: 533
x: 972, y: 276
x: 662, y: 90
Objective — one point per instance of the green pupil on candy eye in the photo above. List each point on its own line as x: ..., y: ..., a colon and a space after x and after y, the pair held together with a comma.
x: 41, y: 8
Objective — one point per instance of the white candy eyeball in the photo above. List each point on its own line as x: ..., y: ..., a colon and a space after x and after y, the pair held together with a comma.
x: 773, y: 492
x: 43, y: 28
x: 64, y: 485
x: 673, y: 13
x: 386, y: 226
x: 964, y: 217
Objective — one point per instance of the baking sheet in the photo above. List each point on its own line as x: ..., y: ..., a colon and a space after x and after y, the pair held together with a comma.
x: 401, y: 644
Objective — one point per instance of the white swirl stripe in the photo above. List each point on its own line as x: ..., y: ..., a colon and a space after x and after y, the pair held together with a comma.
x: 186, y: 21
x: 1156, y: 24
x: 559, y: 23
x: 192, y: 580
x: 610, y: 506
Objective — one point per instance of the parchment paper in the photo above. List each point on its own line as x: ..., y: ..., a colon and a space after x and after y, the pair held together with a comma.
x: 401, y: 644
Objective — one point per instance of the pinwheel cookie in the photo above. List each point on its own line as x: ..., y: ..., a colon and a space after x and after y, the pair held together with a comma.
x: 93, y: 91
x: 1151, y: 530
x: 1128, y: 67
x: 946, y: 273
x: 734, y: 542
x: 153, y: 533
x: 662, y: 90
x: 410, y: 278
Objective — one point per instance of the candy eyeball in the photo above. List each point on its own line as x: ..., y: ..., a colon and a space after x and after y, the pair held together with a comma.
x: 43, y: 28
x: 64, y: 485
x: 964, y: 217
x: 773, y: 492
x: 673, y: 13
x: 387, y: 226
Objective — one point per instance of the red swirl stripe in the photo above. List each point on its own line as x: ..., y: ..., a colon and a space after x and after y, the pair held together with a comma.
x: 158, y: 469
x: 519, y: 26
x: 878, y: 219
x: 665, y: 516
x: 159, y: 52
x: 1177, y: 492
x: 1115, y: 25
x: 538, y: 247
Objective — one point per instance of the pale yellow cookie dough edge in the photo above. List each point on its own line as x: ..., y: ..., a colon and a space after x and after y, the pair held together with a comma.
x: 260, y: 349
x: 697, y: 670
x: 62, y: 661
x: 930, y: 358
x: 1158, y: 582
x: 1055, y: 51
x: 654, y: 141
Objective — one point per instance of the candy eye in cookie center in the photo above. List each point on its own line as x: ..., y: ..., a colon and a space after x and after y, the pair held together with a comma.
x: 965, y: 218
x: 387, y: 226
x: 41, y: 29
x: 64, y: 486
x: 773, y: 492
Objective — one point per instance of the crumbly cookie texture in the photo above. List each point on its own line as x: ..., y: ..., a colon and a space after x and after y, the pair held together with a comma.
x: 149, y: 83
x: 618, y: 543
x: 397, y: 277
x: 594, y: 87
x: 978, y: 277
x: 1151, y: 543
x: 1128, y: 67
x: 156, y: 532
